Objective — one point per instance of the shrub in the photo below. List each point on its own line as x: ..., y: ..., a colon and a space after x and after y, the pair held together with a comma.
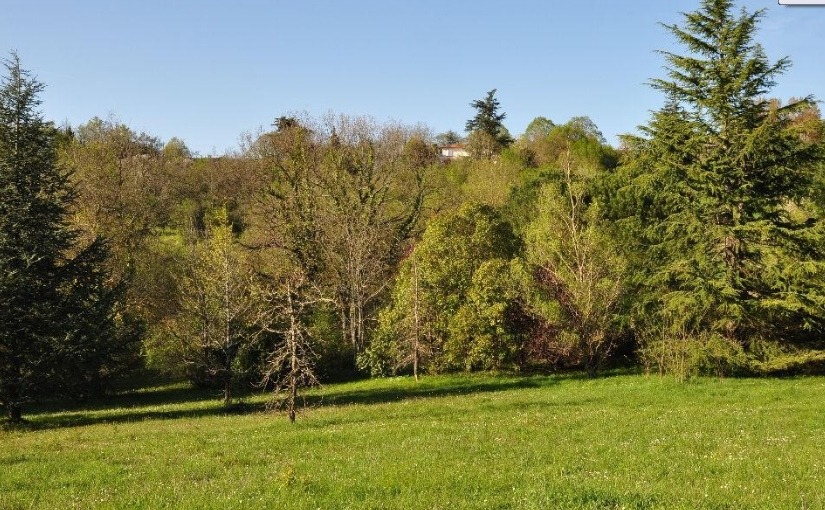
x: 688, y: 356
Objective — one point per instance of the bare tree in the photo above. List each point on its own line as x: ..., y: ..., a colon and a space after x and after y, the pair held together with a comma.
x: 374, y: 191
x: 291, y: 365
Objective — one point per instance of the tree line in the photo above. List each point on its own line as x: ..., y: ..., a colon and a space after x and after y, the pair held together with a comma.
x: 324, y: 248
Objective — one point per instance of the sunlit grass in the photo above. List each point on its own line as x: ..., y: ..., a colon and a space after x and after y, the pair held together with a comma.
x: 452, y: 442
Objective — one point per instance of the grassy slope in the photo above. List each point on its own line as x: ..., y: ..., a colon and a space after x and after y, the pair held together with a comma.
x: 448, y: 442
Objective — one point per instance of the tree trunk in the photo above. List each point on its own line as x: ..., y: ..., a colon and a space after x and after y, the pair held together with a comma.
x: 352, y: 331
x: 592, y: 369
x: 13, y: 413
x: 293, y: 396
x: 227, y: 392
x: 417, y: 324
x: 293, y: 378
x: 415, y: 361
x: 359, y: 324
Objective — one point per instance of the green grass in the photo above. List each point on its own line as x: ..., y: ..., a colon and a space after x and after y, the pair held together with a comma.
x: 454, y: 442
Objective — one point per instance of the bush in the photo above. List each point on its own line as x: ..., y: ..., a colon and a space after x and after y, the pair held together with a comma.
x: 689, y: 356
x: 774, y: 359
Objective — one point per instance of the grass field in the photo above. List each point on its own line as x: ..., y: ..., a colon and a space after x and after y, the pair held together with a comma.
x: 454, y: 442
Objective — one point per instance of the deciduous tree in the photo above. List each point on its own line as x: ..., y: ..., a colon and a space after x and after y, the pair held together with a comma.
x: 346, y: 196
x: 578, y: 271
x: 290, y: 367
x: 215, y: 322
x: 455, y: 300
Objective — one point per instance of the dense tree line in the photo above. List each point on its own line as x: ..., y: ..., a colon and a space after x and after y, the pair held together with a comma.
x: 328, y: 247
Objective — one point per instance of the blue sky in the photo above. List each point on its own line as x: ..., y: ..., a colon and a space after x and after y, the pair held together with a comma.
x: 207, y: 71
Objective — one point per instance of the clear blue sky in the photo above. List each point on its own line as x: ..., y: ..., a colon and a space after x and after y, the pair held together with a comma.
x: 208, y: 70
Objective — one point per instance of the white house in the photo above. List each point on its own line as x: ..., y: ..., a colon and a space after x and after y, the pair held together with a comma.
x: 452, y: 151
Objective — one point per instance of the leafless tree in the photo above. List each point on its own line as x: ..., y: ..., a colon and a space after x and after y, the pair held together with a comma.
x: 291, y: 365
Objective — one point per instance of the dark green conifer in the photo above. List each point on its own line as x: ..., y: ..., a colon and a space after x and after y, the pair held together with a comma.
x: 55, y: 307
x: 719, y: 184
x: 488, y: 120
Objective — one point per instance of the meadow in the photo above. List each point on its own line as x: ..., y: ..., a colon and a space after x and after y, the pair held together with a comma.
x: 624, y: 441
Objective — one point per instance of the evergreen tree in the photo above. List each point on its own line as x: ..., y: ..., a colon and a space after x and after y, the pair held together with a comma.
x: 52, y: 305
x: 488, y: 120
x: 716, y: 180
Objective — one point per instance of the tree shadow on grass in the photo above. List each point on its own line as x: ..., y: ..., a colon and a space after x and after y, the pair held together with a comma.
x: 137, y: 406
x: 82, y: 419
x: 397, y: 394
x: 127, y: 407
x: 156, y: 396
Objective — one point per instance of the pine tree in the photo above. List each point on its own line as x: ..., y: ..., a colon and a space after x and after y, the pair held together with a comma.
x: 717, y: 178
x: 488, y: 120
x: 55, y: 307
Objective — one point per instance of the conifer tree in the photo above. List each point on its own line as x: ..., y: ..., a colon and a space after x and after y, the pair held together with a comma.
x: 488, y: 120
x: 56, y: 308
x: 717, y: 177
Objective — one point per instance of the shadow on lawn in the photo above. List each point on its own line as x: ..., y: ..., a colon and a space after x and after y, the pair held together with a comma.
x: 422, y: 390
x: 81, y: 418
x: 131, y: 407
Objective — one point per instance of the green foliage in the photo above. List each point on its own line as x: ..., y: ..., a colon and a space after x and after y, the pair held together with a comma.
x: 704, y: 237
x: 484, y: 333
x: 214, y: 326
x: 490, y: 181
x: 578, y: 141
x: 774, y: 358
x: 344, y: 198
x: 804, y: 362
x: 335, y: 353
x: 122, y: 196
x: 482, y: 145
x: 487, y: 124
x: 448, y: 138
x: 102, y: 342
x: 521, y: 206
x: 403, y: 337
x: 58, y: 327
x: 175, y: 148
x: 543, y: 160
x: 714, y: 355
x: 538, y: 129
x: 711, y: 191
x: 685, y: 357
x: 550, y: 145
x: 159, y: 275
x: 579, y: 277
x: 465, y: 299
